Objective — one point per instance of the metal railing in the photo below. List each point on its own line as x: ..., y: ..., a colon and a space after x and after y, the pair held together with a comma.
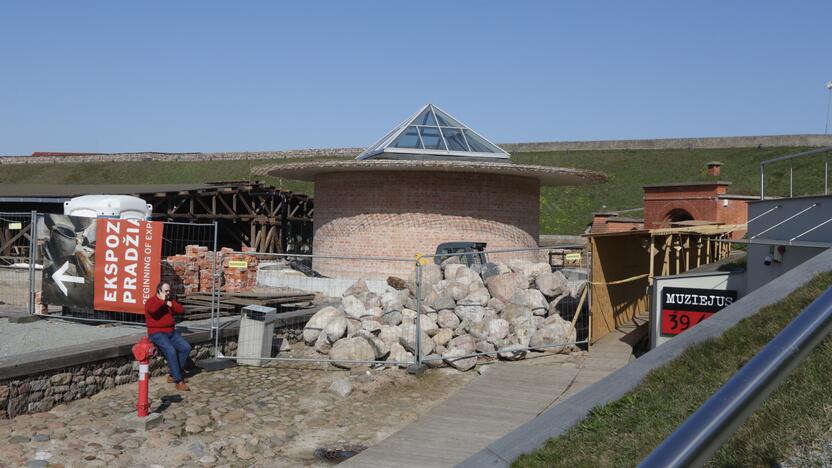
x: 825, y: 149
x: 693, y: 443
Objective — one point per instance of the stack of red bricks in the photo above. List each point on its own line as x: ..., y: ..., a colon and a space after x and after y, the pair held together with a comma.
x: 192, y: 272
x: 239, y: 270
x: 185, y: 273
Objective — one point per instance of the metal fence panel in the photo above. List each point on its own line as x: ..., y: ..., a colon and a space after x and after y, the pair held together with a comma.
x: 347, y: 321
x: 187, y: 263
x: 16, y: 265
x: 446, y: 312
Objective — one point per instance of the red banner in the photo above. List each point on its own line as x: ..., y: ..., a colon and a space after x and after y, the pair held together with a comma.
x: 127, y: 263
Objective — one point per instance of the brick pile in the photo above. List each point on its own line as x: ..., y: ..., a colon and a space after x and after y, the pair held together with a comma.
x: 192, y: 272
x: 237, y: 278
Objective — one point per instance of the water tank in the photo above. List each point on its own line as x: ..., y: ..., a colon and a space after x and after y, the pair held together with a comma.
x: 108, y: 206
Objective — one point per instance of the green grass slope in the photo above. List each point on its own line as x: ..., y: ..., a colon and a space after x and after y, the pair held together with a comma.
x: 563, y: 210
x: 567, y: 210
x: 795, y: 416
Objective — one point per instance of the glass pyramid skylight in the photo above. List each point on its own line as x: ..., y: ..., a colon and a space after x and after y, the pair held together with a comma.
x: 433, y: 134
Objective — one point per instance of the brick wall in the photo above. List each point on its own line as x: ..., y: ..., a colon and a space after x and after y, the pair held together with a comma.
x: 704, y: 202
x: 401, y: 214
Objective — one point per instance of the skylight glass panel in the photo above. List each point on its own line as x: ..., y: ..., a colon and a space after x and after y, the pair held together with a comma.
x: 425, y: 118
x: 478, y: 144
x: 446, y: 120
x: 456, y: 142
x: 408, y: 139
x: 431, y: 138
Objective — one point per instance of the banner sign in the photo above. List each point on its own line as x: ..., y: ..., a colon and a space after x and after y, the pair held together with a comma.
x: 127, y: 263
x: 682, y: 308
x: 100, y: 263
x: 67, y: 246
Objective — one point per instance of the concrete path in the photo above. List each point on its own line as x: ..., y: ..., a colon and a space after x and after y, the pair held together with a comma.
x: 507, y: 395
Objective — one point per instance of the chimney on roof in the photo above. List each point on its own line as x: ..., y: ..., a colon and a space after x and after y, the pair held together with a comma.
x: 713, y: 168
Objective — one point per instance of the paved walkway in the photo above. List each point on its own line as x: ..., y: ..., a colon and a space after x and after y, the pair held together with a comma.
x: 492, y: 405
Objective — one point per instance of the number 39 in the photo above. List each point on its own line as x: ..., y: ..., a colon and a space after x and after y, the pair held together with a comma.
x: 681, y: 322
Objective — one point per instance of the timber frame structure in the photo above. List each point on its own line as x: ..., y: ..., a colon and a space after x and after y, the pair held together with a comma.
x: 625, y: 263
x: 248, y: 214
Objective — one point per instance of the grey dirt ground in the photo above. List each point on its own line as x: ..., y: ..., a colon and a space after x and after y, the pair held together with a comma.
x: 245, y: 416
x: 20, y: 338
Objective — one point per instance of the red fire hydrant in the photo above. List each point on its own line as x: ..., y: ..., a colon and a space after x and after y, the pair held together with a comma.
x: 142, y: 351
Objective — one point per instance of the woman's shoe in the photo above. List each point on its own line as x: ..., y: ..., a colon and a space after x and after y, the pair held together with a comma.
x: 182, y: 386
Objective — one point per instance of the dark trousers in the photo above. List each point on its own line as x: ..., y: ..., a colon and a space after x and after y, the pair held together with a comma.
x: 175, y: 349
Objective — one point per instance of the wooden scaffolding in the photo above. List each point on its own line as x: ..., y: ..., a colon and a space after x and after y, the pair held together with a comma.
x: 624, y: 264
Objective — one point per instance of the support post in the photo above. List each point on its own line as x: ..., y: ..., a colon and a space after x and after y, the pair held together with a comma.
x: 418, y: 367
x: 33, y: 256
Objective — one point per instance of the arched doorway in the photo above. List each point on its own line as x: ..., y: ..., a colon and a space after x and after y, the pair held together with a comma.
x: 677, y: 215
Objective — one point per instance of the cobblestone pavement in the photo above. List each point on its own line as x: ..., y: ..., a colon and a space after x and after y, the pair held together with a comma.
x: 276, y: 415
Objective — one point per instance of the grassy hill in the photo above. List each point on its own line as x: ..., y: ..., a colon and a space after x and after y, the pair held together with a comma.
x: 564, y: 210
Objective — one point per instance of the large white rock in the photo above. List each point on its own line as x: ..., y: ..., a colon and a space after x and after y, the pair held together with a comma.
x: 408, y: 340
x: 372, y: 326
x: 466, y: 343
x: 373, y: 312
x: 479, y: 330
x: 428, y: 325
x: 322, y: 344
x: 494, y: 269
x: 447, y: 319
x: 454, y: 358
x: 400, y: 355
x: 530, y: 269
x: 444, y: 302
x: 451, y: 270
x: 554, y: 333
x: 353, y: 306
x: 531, y: 298
x: 390, y: 301
x: 394, y: 317
x: 380, y: 348
x: 478, y: 296
x: 351, y: 349
x: 390, y: 334
x: 456, y: 290
x: 472, y: 313
x: 497, y: 329
x: 467, y: 276
x: 371, y: 300
x: 443, y: 336
x: 552, y: 284
x: 317, y: 323
x: 496, y: 305
x: 517, y: 315
x: 431, y: 274
x: 504, y: 286
x: 359, y: 288
x: 341, y: 387
x: 353, y: 325
x: 409, y: 316
x: 336, y: 329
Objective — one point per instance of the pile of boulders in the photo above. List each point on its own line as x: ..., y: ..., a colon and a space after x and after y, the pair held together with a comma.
x: 505, y: 311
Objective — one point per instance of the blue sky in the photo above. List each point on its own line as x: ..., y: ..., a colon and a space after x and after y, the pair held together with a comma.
x: 226, y: 76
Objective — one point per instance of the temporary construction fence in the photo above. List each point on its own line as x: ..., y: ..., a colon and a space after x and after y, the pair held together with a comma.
x: 51, y: 273
x: 17, y: 265
x: 449, y: 309
x: 316, y: 319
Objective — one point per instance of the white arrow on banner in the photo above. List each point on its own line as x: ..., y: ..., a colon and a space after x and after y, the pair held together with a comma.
x: 59, y: 277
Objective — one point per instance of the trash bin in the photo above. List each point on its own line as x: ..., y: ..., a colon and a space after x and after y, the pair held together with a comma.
x: 256, y: 332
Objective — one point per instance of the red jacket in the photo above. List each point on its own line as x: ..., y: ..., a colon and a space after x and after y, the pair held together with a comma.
x: 159, y: 316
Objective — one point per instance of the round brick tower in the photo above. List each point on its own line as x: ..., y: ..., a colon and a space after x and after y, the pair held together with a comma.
x: 429, y: 181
